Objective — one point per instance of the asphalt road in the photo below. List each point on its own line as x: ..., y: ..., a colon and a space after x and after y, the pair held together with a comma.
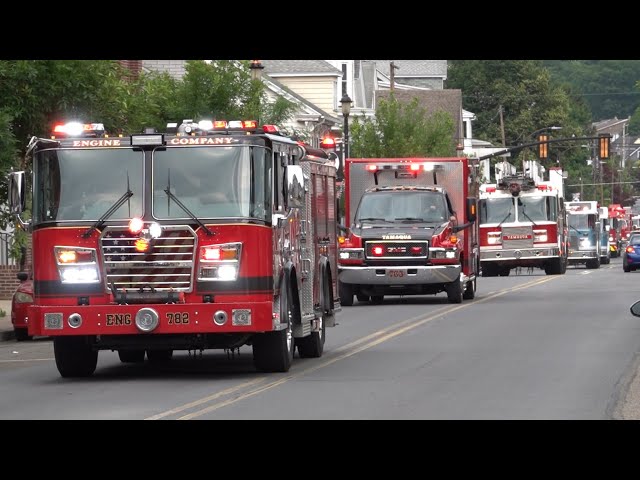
x: 529, y: 346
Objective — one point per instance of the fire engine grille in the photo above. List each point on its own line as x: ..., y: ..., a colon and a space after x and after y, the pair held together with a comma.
x: 167, y: 265
x: 396, y: 249
x: 517, y: 237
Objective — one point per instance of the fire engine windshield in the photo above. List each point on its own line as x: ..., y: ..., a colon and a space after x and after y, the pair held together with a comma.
x: 525, y: 209
x: 82, y: 184
x: 398, y: 207
x: 582, y: 222
x: 212, y: 182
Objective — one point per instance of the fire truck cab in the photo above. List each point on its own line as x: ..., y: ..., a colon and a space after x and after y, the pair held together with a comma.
x: 412, y: 229
x: 584, y: 233
x: 523, y: 222
x: 210, y: 235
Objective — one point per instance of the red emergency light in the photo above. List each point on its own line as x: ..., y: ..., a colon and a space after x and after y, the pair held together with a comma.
x: 377, y: 251
x: 328, y: 142
x: 490, y: 189
x: 270, y: 129
x: 415, y: 167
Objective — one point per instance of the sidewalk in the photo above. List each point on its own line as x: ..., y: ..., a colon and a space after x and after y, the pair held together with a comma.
x: 6, y: 328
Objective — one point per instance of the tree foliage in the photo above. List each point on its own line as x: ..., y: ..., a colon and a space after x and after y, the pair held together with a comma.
x: 402, y: 130
x: 607, y: 86
x: 36, y: 94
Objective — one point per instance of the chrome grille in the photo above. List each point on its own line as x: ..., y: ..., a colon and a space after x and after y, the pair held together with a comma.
x: 396, y: 249
x: 168, y: 265
x: 517, y: 237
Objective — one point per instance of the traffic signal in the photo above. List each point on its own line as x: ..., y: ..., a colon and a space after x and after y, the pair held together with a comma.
x: 543, y: 147
x: 604, y: 141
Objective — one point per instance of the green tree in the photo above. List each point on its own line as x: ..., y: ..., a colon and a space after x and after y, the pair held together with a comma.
x: 402, y: 130
x: 606, y: 85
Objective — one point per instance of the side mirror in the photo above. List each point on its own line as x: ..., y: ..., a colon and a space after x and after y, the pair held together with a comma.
x: 17, y: 192
x: 458, y: 228
x: 295, y: 186
x: 22, y: 276
x: 635, y: 309
x: 471, y: 209
x: 343, y: 229
x: 278, y: 220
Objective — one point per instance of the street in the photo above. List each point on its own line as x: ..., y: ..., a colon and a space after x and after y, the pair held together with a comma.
x: 529, y: 346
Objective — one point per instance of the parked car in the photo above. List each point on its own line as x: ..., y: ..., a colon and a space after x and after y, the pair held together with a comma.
x: 631, y: 253
x: 22, y: 298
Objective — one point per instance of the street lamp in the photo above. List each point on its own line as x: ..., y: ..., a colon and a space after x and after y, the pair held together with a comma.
x: 345, y: 103
x: 256, y: 69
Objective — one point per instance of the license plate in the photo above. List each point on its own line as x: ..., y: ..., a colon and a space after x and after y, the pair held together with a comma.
x: 395, y: 273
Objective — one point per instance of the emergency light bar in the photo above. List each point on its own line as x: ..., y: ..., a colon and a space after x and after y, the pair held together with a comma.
x: 77, y: 129
x: 412, y: 167
x: 235, y: 125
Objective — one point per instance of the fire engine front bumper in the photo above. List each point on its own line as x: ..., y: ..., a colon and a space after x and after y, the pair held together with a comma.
x: 578, y: 256
x: 152, y: 319
x: 519, y: 254
x: 419, y: 275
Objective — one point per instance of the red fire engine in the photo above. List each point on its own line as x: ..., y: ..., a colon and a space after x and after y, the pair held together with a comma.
x: 212, y: 235
x: 523, y: 222
x: 412, y: 229
x: 619, y: 229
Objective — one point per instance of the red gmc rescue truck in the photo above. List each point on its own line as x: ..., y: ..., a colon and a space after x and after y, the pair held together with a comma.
x: 212, y: 235
x: 412, y: 229
x: 523, y: 222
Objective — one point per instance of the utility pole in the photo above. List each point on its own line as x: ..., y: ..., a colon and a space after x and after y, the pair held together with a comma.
x: 504, y: 140
x: 392, y: 76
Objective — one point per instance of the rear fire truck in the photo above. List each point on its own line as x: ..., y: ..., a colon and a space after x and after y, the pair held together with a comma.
x: 584, y: 233
x: 523, y: 222
x: 412, y: 229
x: 213, y: 235
x: 618, y: 229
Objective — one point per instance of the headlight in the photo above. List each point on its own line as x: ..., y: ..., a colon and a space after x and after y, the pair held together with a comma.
x: 585, y: 243
x: 494, y: 238
x: 20, y: 297
x: 77, y: 265
x: 220, y: 262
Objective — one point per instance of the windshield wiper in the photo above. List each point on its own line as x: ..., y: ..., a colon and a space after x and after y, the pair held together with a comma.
x: 373, y: 219
x: 411, y: 219
x: 125, y: 196
x: 504, y: 219
x: 579, y: 232
x: 525, y: 214
x: 183, y: 207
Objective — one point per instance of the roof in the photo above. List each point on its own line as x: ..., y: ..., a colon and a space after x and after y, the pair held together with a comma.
x: 602, y: 124
x: 414, y: 68
x: 299, y: 67
x: 449, y: 101
x: 328, y: 116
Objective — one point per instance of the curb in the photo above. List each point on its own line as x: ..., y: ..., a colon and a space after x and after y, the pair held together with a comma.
x: 7, y: 335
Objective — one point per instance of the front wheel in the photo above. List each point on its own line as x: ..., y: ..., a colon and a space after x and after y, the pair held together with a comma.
x: 470, y: 290
x: 74, y: 356
x: 312, y: 346
x: 454, y: 292
x: 346, y: 294
x: 273, y: 351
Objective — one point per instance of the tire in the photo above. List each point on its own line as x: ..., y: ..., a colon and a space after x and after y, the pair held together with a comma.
x: 504, y: 272
x: 312, y: 346
x: 625, y: 266
x: 606, y: 260
x: 22, y: 334
x: 556, y: 266
x: 159, y: 356
x: 593, y: 263
x: 489, y: 270
x: 377, y: 299
x: 454, y: 292
x: 361, y: 298
x: 273, y: 351
x: 470, y: 290
x: 346, y: 294
x: 131, y: 356
x: 74, y: 356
